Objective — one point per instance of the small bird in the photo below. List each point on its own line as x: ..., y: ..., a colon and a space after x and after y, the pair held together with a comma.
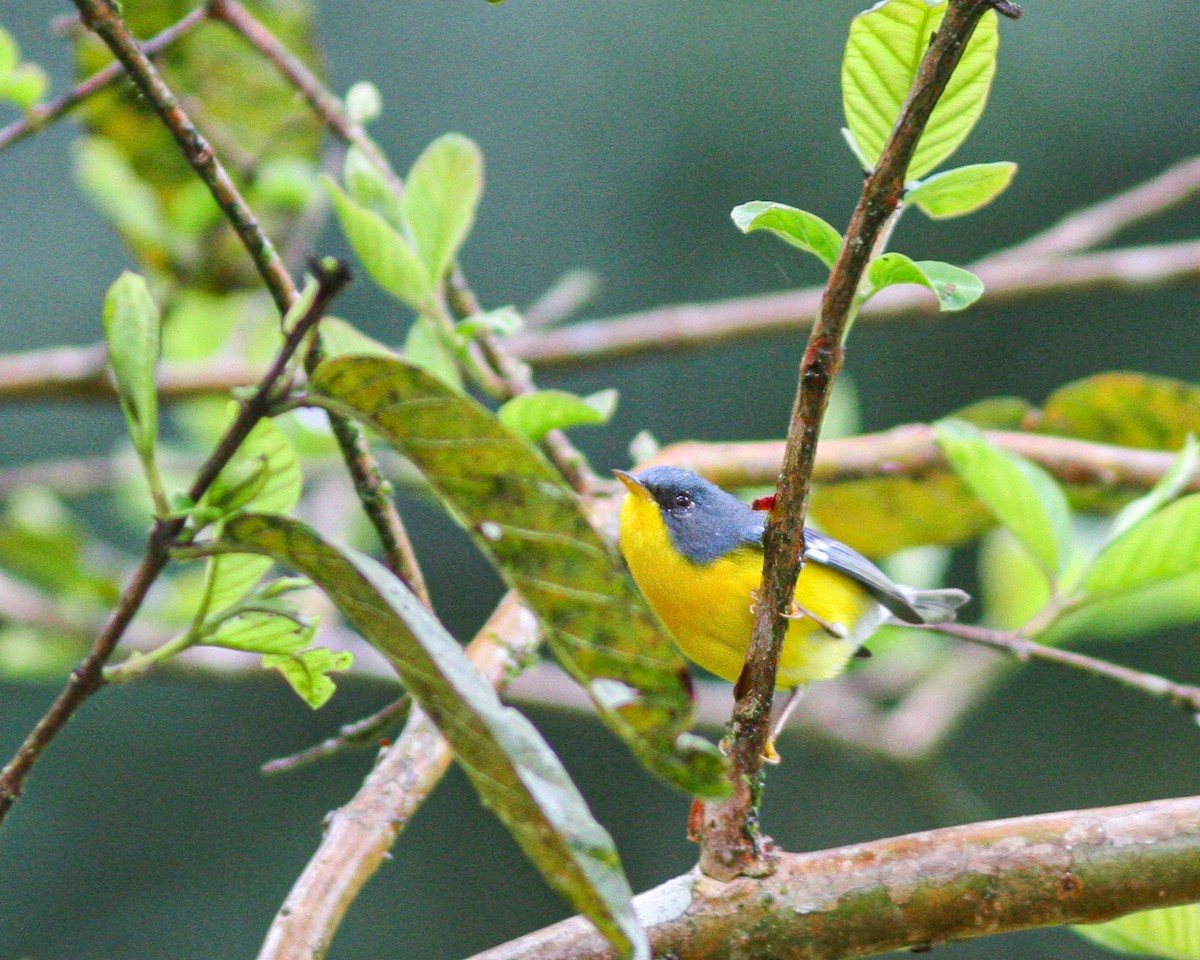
x: 696, y: 553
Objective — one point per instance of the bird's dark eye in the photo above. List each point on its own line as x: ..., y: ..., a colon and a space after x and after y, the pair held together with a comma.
x: 681, y: 501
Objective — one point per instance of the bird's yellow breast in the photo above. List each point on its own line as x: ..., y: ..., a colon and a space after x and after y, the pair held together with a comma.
x: 709, y: 608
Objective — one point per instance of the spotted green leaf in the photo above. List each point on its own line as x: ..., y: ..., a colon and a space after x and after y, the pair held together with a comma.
x: 1125, y: 408
x: 799, y: 228
x: 514, y: 770
x: 883, y: 54
x: 534, y: 529
x: 955, y: 288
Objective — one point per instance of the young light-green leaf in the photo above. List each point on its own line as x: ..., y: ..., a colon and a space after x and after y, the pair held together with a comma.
x: 1169, y: 486
x: 133, y: 331
x: 1170, y: 932
x: 514, y: 770
x: 955, y: 288
x: 1022, y: 496
x: 426, y: 346
x: 963, y: 190
x: 25, y: 86
x: 442, y: 191
x: 111, y: 184
x: 883, y: 54
x: 535, y: 530
x: 370, y: 189
x: 10, y: 53
x: 1163, y: 546
x: 389, y: 258
x: 803, y: 230
x: 536, y: 414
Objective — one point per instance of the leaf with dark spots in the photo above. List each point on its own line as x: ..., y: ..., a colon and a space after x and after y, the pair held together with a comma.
x: 534, y: 528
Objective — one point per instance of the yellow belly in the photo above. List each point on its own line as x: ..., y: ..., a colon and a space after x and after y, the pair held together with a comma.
x: 709, y: 608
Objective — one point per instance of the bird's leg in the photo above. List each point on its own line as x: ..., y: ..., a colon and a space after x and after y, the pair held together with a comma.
x: 836, y: 630
x: 772, y: 755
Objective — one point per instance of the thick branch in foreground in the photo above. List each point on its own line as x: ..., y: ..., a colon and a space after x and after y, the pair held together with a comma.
x: 914, y: 891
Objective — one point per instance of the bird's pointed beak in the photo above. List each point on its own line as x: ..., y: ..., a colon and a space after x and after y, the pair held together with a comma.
x: 633, y: 484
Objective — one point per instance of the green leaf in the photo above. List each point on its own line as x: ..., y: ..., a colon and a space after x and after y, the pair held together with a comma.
x: 307, y: 671
x: 133, y: 331
x: 111, y: 184
x: 389, y: 258
x: 536, y: 414
x: 1170, y: 485
x: 1127, y: 409
x: 426, y: 347
x: 514, y: 771
x: 1022, y: 496
x: 501, y: 322
x: 535, y: 530
x: 1170, y: 932
x: 25, y: 86
x: 955, y: 288
x: 10, y: 53
x: 264, y: 475
x: 963, y: 190
x: 339, y: 337
x: 1161, y: 547
x: 883, y: 54
x: 369, y: 188
x: 803, y: 230
x: 441, y: 193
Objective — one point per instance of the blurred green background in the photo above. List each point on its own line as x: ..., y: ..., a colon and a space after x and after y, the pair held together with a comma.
x: 617, y: 136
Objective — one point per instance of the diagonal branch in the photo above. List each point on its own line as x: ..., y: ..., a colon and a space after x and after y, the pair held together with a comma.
x: 911, y: 892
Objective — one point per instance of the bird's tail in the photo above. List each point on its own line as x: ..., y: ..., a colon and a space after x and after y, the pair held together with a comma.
x: 936, y: 606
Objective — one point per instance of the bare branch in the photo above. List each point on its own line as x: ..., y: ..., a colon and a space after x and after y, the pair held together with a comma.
x: 912, y: 450
x: 982, y: 879
x: 1006, y: 280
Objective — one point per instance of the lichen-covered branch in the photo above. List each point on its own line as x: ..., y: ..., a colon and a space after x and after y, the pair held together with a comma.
x: 915, y: 891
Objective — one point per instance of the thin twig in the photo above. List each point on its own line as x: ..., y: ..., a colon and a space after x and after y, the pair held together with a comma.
x: 1182, y: 695
x: 730, y: 843
x: 41, y: 116
x: 103, y: 17
x: 692, y: 325
x: 912, y: 451
x: 358, y: 734
x: 88, y: 676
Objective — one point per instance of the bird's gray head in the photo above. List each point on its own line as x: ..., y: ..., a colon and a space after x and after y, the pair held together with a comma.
x: 704, y: 521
